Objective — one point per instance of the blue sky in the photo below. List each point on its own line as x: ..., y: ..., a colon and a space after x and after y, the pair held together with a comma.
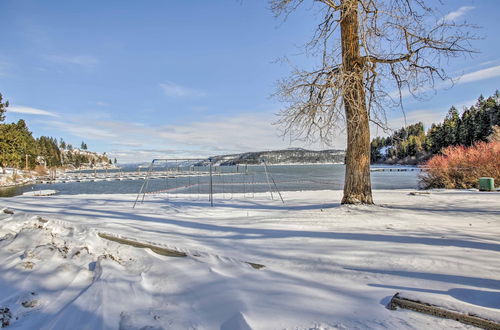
x: 185, y: 78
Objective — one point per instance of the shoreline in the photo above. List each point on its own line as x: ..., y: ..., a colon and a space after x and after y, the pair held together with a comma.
x: 5, y: 179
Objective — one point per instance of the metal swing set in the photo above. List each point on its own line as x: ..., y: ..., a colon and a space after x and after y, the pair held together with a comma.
x: 194, y: 176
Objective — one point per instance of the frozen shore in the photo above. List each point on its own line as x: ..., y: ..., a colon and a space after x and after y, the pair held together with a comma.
x: 326, y: 266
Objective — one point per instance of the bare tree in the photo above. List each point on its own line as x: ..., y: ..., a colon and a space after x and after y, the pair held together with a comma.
x: 373, y: 52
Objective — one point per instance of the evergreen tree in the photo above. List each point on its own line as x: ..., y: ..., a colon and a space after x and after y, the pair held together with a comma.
x: 450, y: 128
x: 435, y: 140
x: 3, y: 108
x: 482, y: 127
x: 47, y: 148
x: 465, y: 135
x: 16, y: 142
x: 25, y: 145
x: 406, y: 142
x: 375, y: 147
x: 8, y: 154
x: 480, y: 100
x: 492, y: 107
x: 62, y: 144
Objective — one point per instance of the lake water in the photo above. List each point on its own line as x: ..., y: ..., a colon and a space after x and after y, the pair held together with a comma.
x: 232, y: 179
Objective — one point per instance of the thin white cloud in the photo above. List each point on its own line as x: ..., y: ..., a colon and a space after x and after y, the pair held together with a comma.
x: 426, y: 116
x: 451, y: 16
x: 134, y: 142
x: 82, y: 130
x: 82, y: 60
x: 483, y: 74
x: 175, y: 90
x: 487, y: 73
x: 31, y: 111
x: 488, y: 62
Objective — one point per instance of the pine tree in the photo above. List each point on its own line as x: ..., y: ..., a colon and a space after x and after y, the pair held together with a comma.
x: 62, y: 144
x: 47, y: 148
x: 435, y: 141
x: 16, y: 142
x: 450, y: 127
x: 482, y: 120
x: 375, y: 147
x: 25, y: 145
x: 466, y: 131
x: 3, y: 108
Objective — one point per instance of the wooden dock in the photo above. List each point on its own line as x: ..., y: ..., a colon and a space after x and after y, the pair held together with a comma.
x: 388, y: 169
x: 116, y: 176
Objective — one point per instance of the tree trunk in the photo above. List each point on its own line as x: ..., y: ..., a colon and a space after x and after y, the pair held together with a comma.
x: 357, y: 186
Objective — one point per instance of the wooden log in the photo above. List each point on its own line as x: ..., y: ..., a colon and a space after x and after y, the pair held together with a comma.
x: 159, y: 250
x: 438, y: 311
x: 156, y: 249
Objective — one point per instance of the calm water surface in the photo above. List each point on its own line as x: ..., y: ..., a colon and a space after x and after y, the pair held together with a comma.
x: 247, y: 180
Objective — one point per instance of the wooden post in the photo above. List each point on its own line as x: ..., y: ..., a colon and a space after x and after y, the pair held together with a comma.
x: 210, y: 187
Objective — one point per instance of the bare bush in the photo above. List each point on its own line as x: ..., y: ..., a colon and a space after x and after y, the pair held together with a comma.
x: 460, y: 167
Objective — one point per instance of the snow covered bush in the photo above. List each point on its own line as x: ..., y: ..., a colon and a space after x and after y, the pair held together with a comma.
x: 461, y: 167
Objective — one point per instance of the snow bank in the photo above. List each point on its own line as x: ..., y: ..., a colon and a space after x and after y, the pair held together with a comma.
x: 327, y: 266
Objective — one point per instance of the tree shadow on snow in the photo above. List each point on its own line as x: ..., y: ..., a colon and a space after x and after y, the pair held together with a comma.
x: 251, y: 205
x: 457, y: 279
x: 236, y: 232
x: 449, y: 209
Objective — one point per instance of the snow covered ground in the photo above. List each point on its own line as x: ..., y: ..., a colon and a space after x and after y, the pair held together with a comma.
x: 327, y: 266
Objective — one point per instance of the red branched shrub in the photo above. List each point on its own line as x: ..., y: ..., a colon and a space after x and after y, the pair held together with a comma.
x: 461, y: 167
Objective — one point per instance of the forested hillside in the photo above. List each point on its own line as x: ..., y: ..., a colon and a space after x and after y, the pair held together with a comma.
x: 412, y: 145
x: 287, y: 156
x: 19, y: 149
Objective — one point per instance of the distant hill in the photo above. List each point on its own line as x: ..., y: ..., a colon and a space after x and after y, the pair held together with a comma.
x: 286, y: 156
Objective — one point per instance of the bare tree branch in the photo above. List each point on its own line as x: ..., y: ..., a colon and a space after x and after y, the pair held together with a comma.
x: 402, y: 42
